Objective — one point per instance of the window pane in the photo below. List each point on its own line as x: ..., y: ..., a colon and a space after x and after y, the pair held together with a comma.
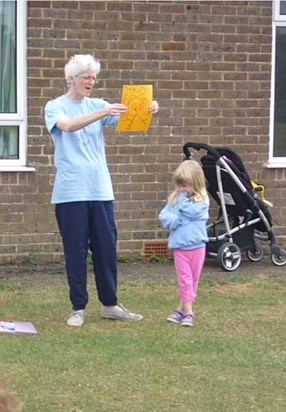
x: 283, y: 7
x: 8, y: 57
x: 9, y: 142
x: 279, y: 148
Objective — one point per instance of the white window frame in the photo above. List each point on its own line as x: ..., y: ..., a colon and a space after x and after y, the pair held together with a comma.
x: 279, y: 20
x: 277, y: 15
x: 20, y: 118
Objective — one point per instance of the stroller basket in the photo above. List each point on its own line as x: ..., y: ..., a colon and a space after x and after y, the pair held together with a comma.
x: 243, y: 218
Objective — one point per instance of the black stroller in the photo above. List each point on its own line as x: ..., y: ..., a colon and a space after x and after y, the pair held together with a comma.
x: 244, y: 220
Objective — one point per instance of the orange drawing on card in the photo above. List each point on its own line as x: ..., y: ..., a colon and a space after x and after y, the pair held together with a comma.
x: 138, y: 99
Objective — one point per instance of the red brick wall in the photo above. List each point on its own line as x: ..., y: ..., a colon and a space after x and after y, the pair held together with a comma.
x: 210, y: 65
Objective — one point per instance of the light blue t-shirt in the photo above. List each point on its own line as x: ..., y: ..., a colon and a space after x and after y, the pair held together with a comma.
x: 82, y: 172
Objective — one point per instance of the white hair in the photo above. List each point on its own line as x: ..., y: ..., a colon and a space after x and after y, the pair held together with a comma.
x: 81, y: 63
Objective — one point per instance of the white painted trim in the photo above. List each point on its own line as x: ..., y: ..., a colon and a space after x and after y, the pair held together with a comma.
x: 19, y: 118
x: 277, y: 15
x: 22, y: 77
x: 278, y: 21
x: 272, y: 95
x: 17, y: 169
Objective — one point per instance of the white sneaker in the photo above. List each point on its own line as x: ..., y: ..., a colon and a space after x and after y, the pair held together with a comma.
x: 77, y: 318
x: 119, y: 312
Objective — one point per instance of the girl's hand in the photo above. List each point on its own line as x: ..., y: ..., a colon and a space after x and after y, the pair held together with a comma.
x: 154, y: 108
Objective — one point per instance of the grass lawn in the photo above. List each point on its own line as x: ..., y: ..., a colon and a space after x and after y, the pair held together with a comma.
x: 232, y: 360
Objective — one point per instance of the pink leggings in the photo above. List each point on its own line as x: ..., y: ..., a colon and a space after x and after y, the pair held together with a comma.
x: 189, y: 265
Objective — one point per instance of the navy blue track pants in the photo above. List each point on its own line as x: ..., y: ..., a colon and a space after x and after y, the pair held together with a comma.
x: 83, y: 226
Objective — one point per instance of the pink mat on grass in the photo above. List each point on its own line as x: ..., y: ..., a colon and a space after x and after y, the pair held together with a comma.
x: 26, y: 328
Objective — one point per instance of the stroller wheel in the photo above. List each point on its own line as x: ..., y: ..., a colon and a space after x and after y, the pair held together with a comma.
x: 229, y: 256
x: 279, y: 258
x: 255, y: 254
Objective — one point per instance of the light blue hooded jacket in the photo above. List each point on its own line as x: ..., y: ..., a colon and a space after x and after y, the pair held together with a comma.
x: 186, y: 221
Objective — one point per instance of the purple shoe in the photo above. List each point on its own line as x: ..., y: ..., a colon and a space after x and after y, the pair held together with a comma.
x: 187, y: 320
x: 175, y: 317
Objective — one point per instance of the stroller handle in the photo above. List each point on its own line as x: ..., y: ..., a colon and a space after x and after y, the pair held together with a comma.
x: 198, y: 146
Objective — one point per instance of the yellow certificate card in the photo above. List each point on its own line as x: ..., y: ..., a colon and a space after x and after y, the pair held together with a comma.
x: 138, y: 99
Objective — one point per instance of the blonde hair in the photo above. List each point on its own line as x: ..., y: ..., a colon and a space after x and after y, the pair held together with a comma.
x: 189, y: 173
x: 81, y: 63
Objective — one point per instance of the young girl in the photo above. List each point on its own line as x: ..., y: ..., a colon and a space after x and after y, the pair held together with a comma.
x: 185, y: 215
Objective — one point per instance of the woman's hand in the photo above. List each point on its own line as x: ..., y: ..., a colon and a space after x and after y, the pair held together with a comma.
x: 154, y: 108
x: 116, y: 109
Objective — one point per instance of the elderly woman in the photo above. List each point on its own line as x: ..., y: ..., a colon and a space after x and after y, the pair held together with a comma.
x: 82, y: 192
